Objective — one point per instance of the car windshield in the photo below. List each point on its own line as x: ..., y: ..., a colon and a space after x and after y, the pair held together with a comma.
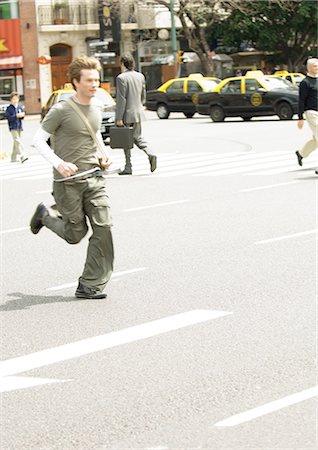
x: 66, y: 95
x: 208, y: 85
x: 276, y: 83
x: 104, y: 97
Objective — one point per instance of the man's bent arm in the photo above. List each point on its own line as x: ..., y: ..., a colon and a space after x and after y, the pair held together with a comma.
x: 40, y: 143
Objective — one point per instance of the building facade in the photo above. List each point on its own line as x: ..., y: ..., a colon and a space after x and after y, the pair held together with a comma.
x: 39, y: 38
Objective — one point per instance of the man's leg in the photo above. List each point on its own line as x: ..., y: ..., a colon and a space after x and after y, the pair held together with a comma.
x: 312, y: 144
x: 15, y: 148
x: 72, y: 225
x: 100, y: 253
x: 128, y: 169
x: 142, y: 144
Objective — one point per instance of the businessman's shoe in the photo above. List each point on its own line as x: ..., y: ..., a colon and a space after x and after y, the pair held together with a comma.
x: 88, y: 292
x: 153, y: 162
x: 300, y: 158
x: 36, y: 221
x: 125, y: 172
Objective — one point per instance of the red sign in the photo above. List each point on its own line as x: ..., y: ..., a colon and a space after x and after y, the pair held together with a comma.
x: 10, y: 38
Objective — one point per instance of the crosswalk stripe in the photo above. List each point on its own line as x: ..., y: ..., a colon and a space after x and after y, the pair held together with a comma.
x: 197, y: 164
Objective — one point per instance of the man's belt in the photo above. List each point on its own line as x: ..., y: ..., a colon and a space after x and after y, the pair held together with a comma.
x: 94, y: 172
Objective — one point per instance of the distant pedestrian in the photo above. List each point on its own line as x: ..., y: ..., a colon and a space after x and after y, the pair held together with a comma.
x: 15, y: 114
x: 308, y: 108
x: 79, y: 189
x: 130, y: 96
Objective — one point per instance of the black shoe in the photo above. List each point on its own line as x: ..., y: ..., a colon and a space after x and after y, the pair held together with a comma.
x: 153, y: 162
x: 24, y: 158
x: 88, y: 292
x: 36, y: 221
x: 125, y: 172
x: 316, y: 172
x: 300, y: 158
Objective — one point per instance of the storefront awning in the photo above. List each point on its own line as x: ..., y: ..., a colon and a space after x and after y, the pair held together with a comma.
x: 12, y: 62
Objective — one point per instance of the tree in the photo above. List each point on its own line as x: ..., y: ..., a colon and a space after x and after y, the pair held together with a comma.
x: 288, y: 27
x: 198, y: 16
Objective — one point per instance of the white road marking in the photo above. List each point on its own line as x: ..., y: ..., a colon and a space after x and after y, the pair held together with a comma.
x: 114, y: 275
x: 14, y: 383
x: 13, y: 230
x: 44, y: 192
x: 97, y: 343
x: 268, y: 408
x: 288, y: 236
x: 157, y: 205
x: 269, y: 186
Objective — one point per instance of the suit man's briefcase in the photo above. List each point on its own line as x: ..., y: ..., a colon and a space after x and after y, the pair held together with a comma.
x: 121, y: 137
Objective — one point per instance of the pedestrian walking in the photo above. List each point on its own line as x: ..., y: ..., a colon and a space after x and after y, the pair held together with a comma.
x: 308, y: 108
x: 79, y: 187
x: 15, y: 114
x: 130, y: 97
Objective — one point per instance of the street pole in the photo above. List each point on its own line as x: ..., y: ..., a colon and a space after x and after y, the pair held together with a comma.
x: 173, y: 33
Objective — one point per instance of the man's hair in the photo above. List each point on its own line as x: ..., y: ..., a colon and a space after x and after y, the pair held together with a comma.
x: 13, y: 94
x: 311, y: 62
x: 78, y: 64
x: 128, y: 62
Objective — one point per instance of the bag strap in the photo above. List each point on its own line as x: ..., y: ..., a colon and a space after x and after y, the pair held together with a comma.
x: 88, y: 126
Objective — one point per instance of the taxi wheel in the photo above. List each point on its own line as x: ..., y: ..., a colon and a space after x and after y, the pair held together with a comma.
x: 189, y: 115
x: 247, y: 118
x: 284, y: 111
x: 162, y: 111
x: 217, y: 114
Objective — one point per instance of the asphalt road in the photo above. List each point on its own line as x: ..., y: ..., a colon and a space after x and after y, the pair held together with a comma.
x: 207, y: 339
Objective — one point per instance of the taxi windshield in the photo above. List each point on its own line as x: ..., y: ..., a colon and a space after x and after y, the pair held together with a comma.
x: 208, y: 85
x: 276, y: 83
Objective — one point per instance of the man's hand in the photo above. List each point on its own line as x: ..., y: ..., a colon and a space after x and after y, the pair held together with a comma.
x: 67, y: 169
x: 105, y: 163
x: 300, y: 123
x: 119, y: 123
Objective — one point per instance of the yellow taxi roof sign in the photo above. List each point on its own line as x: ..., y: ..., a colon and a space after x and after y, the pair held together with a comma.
x: 281, y: 72
x: 195, y: 75
x: 68, y: 86
x: 254, y: 73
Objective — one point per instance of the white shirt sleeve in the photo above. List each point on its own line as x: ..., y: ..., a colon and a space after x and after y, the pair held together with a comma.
x: 40, y: 143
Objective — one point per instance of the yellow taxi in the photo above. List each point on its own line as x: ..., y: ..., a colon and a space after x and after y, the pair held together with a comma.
x: 254, y: 94
x: 102, y: 98
x: 175, y: 95
x: 294, y: 77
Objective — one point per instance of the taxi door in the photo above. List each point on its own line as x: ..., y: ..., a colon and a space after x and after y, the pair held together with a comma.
x: 175, y: 96
x: 230, y: 96
x: 255, y: 97
x: 192, y: 87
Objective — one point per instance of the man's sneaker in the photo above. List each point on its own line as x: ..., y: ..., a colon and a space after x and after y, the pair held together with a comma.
x: 88, y: 292
x: 300, y: 158
x: 36, y: 221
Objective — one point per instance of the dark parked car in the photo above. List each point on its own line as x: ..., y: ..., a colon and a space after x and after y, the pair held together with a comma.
x: 249, y: 96
x: 102, y: 97
x: 176, y: 95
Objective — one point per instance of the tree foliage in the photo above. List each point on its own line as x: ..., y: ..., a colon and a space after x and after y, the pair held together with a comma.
x: 288, y: 27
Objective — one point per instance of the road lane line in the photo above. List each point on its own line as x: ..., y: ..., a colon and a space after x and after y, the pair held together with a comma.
x: 13, y: 230
x: 97, y: 343
x: 12, y: 383
x: 258, y: 188
x: 268, y: 408
x: 115, y: 275
x: 288, y: 236
x: 157, y: 205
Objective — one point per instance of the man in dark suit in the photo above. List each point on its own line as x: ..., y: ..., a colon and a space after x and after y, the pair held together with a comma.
x: 130, y: 96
